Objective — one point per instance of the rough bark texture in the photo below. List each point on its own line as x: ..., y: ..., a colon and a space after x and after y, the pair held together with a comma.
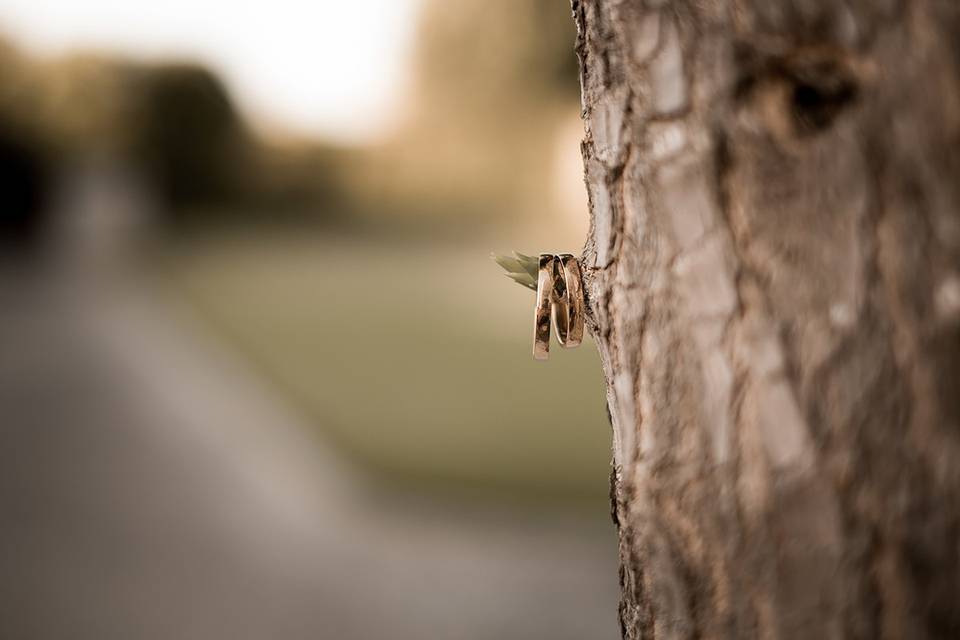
x: 774, y: 282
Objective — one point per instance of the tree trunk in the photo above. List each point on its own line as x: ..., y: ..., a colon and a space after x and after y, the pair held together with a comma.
x: 773, y: 276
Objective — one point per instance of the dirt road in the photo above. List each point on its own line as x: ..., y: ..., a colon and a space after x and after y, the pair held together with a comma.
x: 151, y: 487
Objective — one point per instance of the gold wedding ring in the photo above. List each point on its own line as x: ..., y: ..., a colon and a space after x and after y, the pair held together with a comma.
x: 560, y: 297
x: 541, y: 313
x: 568, y: 302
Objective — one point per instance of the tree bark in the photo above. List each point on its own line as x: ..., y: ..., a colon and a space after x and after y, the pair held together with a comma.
x: 773, y: 277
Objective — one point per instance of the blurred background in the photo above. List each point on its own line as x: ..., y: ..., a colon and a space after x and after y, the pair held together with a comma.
x: 258, y: 376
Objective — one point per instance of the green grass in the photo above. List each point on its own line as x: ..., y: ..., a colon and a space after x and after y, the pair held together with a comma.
x: 416, y: 361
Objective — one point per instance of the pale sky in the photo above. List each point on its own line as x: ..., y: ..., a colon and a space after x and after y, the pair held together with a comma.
x: 333, y: 68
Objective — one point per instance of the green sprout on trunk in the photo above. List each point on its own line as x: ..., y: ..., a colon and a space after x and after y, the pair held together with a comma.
x: 520, y: 268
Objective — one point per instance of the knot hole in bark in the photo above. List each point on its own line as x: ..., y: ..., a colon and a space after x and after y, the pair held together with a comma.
x: 795, y: 96
x: 819, y: 95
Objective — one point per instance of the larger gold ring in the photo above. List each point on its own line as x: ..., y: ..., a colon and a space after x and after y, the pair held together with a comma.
x: 541, y: 313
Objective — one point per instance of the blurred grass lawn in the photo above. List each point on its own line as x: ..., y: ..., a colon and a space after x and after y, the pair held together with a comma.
x: 416, y: 360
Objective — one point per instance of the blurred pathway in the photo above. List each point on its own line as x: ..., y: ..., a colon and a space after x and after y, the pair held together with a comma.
x: 149, y: 488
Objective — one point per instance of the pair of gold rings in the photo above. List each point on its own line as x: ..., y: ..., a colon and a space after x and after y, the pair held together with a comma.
x: 560, y: 298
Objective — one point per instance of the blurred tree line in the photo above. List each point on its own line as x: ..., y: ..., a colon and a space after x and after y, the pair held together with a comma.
x: 490, y: 86
x: 173, y: 123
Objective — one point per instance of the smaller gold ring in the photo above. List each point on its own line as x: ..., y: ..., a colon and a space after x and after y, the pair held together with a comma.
x: 568, y: 306
x: 541, y: 313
